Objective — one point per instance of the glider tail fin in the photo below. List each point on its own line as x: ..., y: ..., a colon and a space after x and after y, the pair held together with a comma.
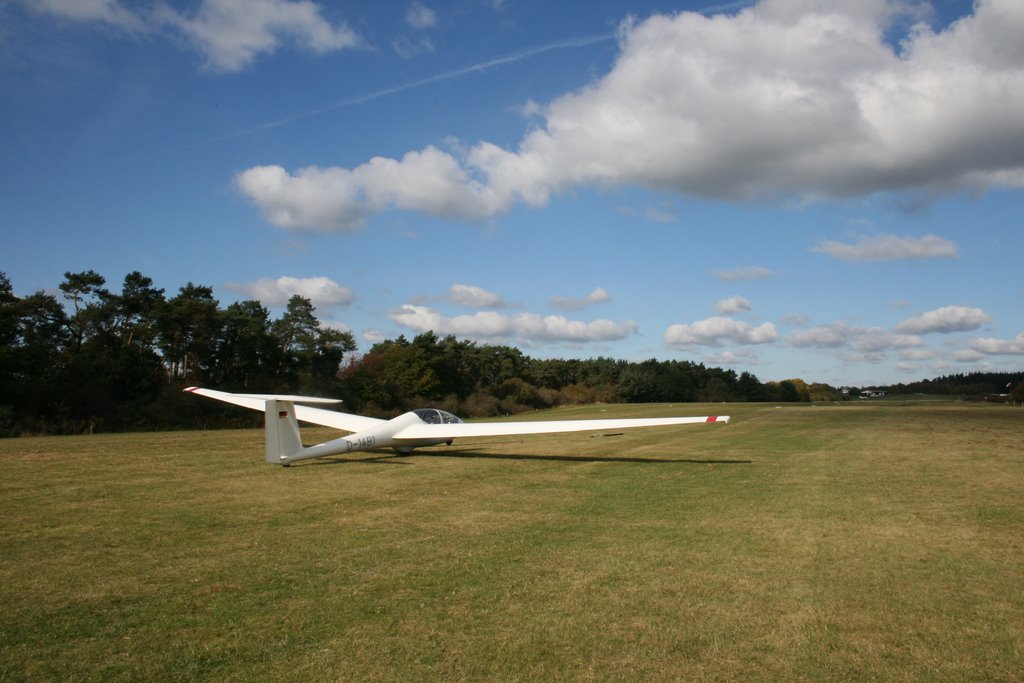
x: 282, y: 431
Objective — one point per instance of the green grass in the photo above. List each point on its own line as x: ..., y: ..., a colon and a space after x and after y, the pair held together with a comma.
x: 851, y: 542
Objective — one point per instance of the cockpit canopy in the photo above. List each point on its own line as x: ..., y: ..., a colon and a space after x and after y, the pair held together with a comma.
x: 435, y: 416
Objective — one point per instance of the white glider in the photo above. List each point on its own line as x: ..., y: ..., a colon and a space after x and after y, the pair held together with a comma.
x: 423, y: 427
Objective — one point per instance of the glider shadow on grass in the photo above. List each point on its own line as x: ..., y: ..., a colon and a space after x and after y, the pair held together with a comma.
x: 467, y: 453
x: 586, y: 458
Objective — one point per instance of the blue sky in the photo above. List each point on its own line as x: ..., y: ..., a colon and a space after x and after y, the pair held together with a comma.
x: 795, y: 188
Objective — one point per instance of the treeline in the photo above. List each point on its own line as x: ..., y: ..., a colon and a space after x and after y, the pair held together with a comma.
x: 969, y: 385
x: 478, y: 381
x: 103, y: 360
x: 92, y: 358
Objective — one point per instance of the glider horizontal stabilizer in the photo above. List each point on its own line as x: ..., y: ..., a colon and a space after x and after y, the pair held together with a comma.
x: 325, y: 418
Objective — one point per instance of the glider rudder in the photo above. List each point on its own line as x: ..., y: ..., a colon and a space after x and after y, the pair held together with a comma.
x: 282, y: 431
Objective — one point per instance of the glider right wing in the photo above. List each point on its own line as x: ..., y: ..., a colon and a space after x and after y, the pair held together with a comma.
x: 473, y: 429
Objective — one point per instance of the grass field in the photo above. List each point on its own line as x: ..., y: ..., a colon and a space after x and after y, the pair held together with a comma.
x: 851, y: 542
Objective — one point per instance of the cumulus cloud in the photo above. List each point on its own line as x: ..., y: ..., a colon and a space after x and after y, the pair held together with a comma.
x: 783, y: 99
x: 337, y: 199
x: 335, y: 325
x: 744, y: 273
x: 571, y: 303
x: 889, y: 248
x: 999, y: 347
x: 374, y: 336
x: 716, y: 330
x: 733, y: 305
x: 321, y: 291
x: 821, y: 337
x: 869, y: 340
x: 945, y: 320
x: 420, y: 17
x: 731, y: 358
x: 408, y: 48
x: 527, y: 328
x: 877, y: 339
x: 916, y: 355
x: 968, y: 356
x: 232, y: 33
x: 109, y: 12
x: 472, y: 296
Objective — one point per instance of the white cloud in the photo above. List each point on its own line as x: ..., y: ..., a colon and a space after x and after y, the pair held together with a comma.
x: 889, y: 248
x: 528, y: 328
x: 420, y: 17
x: 796, y: 319
x: 109, y: 12
x: 335, y: 325
x: 659, y: 214
x: 968, y: 356
x: 822, y: 337
x: 407, y: 48
x: 570, y: 303
x: 733, y: 305
x: 374, y: 336
x: 337, y: 199
x: 784, y: 99
x: 744, y: 273
x: 876, y: 340
x: 321, y: 291
x: 733, y: 358
x: 999, y: 347
x: 865, y: 340
x: 232, y: 33
x: 717, y: 330
x: 471, y: 296
x: 917, y: 355
x: 945, y: 320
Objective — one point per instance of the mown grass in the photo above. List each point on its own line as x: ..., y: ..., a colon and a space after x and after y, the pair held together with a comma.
x: 851, y: 542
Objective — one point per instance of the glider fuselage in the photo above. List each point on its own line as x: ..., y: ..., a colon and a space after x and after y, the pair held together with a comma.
x: 379, y: 436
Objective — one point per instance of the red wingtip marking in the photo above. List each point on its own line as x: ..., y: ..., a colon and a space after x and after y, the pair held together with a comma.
x: 713, y: 418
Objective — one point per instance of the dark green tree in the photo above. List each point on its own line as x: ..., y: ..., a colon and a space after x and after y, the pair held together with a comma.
x: 186, y: 333
x: 749, y: 388
x: 84, y: 291
x: 311, y: 355
x: 134, y: 313
x: 246, y: 355
x: 646, y: 382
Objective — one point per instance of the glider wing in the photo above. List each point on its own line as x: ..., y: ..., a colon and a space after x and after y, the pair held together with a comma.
x: 474, y: 429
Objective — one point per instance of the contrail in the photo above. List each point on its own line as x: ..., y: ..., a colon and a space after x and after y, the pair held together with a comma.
x: 726, y: 6
x: 437, y: 78
x: 511, y: 58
